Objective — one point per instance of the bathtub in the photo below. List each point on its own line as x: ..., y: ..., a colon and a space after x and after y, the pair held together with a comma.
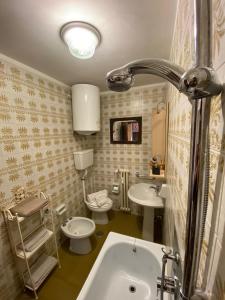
x: 126, y: 268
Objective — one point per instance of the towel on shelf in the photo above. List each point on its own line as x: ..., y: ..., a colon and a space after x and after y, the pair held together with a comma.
x: 98, y: 199
x: 34, y: 240
x: 41, y: 269
x: 29, y: 206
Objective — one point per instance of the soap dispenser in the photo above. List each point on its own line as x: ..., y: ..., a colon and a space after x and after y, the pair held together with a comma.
x: 155, y: 166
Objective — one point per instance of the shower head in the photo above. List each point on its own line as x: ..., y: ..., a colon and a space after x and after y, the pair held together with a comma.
x: 196, y: 83
x: 122, y: 79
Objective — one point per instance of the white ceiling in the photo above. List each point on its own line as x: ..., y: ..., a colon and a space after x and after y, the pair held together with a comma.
x: 130, y: 29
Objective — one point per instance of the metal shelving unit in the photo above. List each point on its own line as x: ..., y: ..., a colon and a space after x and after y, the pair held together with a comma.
x: 25, y: 247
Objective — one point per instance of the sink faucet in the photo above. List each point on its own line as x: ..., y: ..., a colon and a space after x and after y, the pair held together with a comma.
x: 165, y: 283
x: 155, y: 187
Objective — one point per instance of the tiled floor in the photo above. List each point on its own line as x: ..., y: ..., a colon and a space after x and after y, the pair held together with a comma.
x: 65, y: 283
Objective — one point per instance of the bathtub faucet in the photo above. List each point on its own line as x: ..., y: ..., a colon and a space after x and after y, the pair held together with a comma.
x: 165, y: 283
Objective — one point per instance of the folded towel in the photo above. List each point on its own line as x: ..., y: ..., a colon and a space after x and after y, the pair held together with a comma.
x: 97, y: 195
x: 29, y: 206
x: 101, y: 202
x: 41, y: 269
x: 35, y: 239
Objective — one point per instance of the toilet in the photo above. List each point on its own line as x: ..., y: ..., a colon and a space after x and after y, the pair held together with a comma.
x: 83, y: 160
x: 99, y: 210
x: 79, y: 230
x: 99, y: 214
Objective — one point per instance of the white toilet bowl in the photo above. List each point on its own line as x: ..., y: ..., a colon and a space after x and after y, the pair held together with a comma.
x: 79, y: 230
x: 99, y: 214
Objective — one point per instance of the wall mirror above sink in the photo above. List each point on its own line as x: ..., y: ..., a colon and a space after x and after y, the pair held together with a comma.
x: 126, y: 130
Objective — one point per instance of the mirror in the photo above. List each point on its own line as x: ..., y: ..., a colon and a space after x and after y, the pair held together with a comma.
x: 126, y: 130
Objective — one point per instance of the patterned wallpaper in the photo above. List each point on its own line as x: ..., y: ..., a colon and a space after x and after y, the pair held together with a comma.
x: 138, y: 101
x: 212, y: 265
x: 36, y: 150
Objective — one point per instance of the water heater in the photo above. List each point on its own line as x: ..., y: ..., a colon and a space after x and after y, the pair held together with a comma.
x: 86, y: 108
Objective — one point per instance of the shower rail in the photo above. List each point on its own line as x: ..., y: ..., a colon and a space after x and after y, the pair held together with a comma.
x: 199, y: 154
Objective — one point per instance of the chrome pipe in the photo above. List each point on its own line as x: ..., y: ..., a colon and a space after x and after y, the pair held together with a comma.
x: 196, y: 193
x: 199, y: 155
x: 203, y: 33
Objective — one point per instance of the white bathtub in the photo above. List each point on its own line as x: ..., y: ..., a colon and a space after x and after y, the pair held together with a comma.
x: 126, y: 268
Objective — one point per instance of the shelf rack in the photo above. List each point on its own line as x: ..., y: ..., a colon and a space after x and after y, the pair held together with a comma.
x: 33, y: 273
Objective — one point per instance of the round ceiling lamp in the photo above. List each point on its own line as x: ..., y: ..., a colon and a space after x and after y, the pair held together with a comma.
x: 81, y: 38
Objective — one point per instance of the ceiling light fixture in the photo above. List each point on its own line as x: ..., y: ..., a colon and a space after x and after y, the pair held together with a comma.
x: 81, y: 38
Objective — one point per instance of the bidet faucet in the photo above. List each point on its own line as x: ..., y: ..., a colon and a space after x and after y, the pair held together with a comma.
x: 165, y: 283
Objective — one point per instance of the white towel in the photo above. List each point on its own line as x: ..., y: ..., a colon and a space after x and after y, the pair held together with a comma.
x: 99, y: 199
x: 41, y: 269
x: 34, y: 240
x: 100, y: 202
x: 96, y: 195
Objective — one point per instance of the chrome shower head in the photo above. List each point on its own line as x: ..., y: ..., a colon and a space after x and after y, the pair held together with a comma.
x: 120, y: 80
x: 196, y: 83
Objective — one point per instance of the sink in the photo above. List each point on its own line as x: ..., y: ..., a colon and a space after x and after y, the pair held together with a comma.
x: 144, y: 194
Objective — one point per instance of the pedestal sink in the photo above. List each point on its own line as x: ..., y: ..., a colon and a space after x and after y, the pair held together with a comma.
x: 145, y: 194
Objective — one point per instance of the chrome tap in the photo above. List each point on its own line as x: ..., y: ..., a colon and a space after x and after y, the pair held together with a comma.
x: 165, y: 283
x: 155, y: 187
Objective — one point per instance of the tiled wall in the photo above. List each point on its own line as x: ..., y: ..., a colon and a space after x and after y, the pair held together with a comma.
x: 138, y: 101
x: 212, y: 273
x: 36, y: 150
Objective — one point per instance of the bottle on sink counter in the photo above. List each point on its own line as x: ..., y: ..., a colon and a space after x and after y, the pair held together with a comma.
x: 155, y: 166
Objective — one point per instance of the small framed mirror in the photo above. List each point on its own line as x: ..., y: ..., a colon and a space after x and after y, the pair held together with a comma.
x: 126, y: 130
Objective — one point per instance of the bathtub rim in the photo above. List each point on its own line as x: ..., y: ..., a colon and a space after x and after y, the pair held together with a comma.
x: 112, y: 239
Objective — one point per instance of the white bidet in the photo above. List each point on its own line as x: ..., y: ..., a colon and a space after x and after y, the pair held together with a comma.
x: 79, y: 230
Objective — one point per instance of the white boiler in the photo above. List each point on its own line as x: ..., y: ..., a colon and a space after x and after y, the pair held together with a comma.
x: 86, y: 108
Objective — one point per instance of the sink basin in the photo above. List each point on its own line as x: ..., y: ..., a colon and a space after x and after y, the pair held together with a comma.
x: 144, y: 194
